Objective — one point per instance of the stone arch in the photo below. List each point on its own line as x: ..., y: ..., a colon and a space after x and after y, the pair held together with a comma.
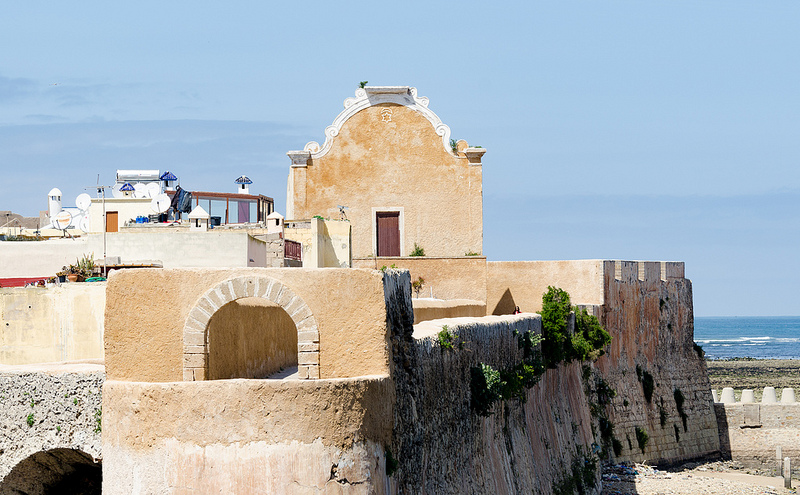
x: 55, y: 471
x: 195, y: 335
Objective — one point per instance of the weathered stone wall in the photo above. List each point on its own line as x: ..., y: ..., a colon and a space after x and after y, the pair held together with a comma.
x: 649, y: 312
x: 63, y: 403
x: 442, y: 446
x: 40, y: 259
x: 41, y: 325
x: 751, y: 433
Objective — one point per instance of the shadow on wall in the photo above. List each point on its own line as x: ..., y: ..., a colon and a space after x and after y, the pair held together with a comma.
x: 506, y: 304
x: 250, y: 338
x: 55, y: 471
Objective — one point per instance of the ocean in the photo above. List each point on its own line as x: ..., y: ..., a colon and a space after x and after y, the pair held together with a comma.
x: 770, y: 337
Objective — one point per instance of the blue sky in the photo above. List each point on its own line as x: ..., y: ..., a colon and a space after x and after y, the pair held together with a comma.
x: 663, y: 130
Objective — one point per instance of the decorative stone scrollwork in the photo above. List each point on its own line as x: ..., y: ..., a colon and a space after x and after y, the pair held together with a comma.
x: 374, y: 95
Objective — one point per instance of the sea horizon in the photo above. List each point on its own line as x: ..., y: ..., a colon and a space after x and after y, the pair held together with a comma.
x: 757, y: 337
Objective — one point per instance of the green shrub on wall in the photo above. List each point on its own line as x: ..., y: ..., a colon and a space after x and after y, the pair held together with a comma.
x: 586, y: 343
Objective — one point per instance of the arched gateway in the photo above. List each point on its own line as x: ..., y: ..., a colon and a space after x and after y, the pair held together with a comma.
x: 196, y: 335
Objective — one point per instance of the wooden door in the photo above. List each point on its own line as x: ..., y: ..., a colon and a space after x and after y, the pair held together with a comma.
x: 112, y: 221
x: 388, y: 231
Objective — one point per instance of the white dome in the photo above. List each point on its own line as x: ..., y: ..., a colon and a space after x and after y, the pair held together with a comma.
x: 55, y: 192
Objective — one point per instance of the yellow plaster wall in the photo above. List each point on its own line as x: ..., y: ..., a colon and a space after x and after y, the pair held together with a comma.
x: 146, y: 311
x: 402, y: 163
x: 250, y: 338
x: 445, y: 278
x: 522, y: 283
x: 44, y: 325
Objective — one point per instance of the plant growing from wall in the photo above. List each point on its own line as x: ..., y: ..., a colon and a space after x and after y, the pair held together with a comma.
x: 555, y: 311
x: 642, y: 438
x: 445, y: 338
x: 417, y: 251
x: 586, y: 343
x: 454, y: 145
x: 363, y: 84
x: 417, y: 285
x: 98, y: 420
x: 30, y: 420
x: 471, y: 253
x: 699, y: 350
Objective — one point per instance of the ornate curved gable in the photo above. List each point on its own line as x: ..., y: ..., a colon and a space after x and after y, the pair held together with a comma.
x: 375, y: 95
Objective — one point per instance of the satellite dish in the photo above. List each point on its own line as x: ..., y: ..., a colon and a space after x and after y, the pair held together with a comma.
x: 153, y: 189
x: 84, y: 223
x: 83, y: 201
x: 63, y: 220
x: 116, y: 192
x: 160, y: 203
x: 140, y: 190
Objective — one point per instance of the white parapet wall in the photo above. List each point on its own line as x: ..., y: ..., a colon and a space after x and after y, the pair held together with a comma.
x: 41, y: 325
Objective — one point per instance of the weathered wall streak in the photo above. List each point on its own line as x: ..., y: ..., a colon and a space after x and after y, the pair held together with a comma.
x: 649, y: 312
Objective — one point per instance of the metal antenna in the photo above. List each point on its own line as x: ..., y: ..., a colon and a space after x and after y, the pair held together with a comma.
x: 101, y: 191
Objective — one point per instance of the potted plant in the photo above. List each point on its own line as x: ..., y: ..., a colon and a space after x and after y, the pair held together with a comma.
x: 81, y: 270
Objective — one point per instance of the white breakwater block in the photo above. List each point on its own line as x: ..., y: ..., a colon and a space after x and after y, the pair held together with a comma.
x: 748, y: 396
x: 714, y: 395
x: 787, y: 397
x: 727, y: 396
x: 769, y: 396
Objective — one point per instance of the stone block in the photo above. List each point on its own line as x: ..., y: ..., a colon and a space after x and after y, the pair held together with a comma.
x: 194, y: 360
x: 194, y: 338
x: 206, y: 305
x: 748, y: 396
x: 307, y: 358
x: 787, y: 396
x: 307, y: 325
x: 303, y: 372
x: 286, y: 298
x: 307, y: 347
x: 194, y: 349
x: 275, y: 291
x: 313, y: 372
x: 307, y: 337
x: 188, y: 375
x: 301, y: 313
x: 727, y: 396
x: 752, y: 414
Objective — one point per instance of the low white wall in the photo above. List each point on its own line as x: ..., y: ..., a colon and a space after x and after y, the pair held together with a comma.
x: 41, y: 258
x: 176, y: 248
x: 41, y: 325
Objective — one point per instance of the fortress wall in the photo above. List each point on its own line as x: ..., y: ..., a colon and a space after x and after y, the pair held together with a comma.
x: 750, y: 433
x: 648, y: 311
x: 445, y: 278
x: 246, y: 436
x: 441, y: 445
x: 148, y: 308
x: 63, y: 401
x: 522, y: 283
x: 41, y: 325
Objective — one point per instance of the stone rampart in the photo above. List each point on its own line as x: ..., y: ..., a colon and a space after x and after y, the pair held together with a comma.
x: 442, y: 446
x: 660, y: 378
